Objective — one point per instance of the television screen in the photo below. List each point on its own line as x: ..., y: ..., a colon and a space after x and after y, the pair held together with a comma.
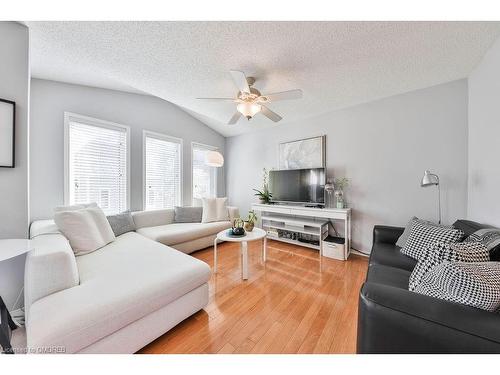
x: 298, y: 185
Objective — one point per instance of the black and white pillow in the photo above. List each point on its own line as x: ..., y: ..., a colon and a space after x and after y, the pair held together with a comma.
x: 472, y: 284
x: 423, y: 235
x: 439, y: 252
x: 406, y: 233
x: 490, y: 237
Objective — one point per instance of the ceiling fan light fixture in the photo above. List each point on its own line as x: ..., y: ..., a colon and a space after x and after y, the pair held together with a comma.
x: 249, y: 109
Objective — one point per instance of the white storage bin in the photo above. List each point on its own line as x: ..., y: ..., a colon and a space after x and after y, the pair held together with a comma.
x: 334, y: 250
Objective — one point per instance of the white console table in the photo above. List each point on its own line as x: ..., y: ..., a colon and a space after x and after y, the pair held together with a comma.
x: 307, y: 216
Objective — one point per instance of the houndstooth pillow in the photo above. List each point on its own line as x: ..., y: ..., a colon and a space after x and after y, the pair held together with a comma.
x: 439, y: 252
x: 472, y: 284
x: 423, y: 235
x: 490, y: 237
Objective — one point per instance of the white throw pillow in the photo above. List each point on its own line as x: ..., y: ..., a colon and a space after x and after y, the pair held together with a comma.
x: 75, y: 207
x: 214, y: 209
x: 86, y: 229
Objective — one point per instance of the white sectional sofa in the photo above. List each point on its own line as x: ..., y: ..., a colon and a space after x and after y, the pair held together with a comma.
x: 121, y: 297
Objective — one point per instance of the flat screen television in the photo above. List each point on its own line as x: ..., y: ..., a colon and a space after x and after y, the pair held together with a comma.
x: 298, y: 186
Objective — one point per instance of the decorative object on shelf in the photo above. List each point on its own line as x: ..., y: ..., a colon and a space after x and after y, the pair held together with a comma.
x: 7, y: 133
x: 264, y: 194
x: 238, y: 227
x: 340, y: 184
x: 329, y: 188
x: 250, y: 221
x: 431, y: 179
x: 214, y: 159
x: 303, y: 153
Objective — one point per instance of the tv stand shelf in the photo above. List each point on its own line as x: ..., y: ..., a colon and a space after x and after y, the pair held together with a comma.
x: 310, y: 227
x: 306, y: 220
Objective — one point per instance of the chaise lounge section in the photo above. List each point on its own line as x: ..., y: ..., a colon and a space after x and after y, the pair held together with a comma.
x: 121, y: 297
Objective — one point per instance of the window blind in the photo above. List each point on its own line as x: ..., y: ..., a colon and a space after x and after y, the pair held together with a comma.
x: 98, y: 166
x: 204, y: 176
x: 162, y: 172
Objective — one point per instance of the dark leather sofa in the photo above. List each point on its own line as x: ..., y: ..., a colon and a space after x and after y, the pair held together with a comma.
x: 392, y: 319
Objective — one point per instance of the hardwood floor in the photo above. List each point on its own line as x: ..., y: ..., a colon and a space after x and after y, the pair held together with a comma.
x: 286, y: 305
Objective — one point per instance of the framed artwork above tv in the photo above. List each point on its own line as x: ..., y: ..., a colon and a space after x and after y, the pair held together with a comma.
x: 7, y: 133
x: 302, y: 153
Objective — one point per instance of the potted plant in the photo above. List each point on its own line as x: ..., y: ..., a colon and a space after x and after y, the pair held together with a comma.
x: 264, y: 194
x: 237, y: 228
x: 250, y: 221
x: 340, y: 184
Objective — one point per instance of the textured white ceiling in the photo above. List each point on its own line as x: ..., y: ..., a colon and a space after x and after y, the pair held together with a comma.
x: 336, y: 64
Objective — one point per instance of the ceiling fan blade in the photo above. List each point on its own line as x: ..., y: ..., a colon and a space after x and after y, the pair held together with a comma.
x: 240, y: 81
x: 234, y: 119
x: 218, y: 99
x: 270, y: 114
x: 284, y: 95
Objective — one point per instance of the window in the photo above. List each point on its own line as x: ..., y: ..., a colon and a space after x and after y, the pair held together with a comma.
x: 162, y: 171
x: 96, y: 163
x: 204, y: 177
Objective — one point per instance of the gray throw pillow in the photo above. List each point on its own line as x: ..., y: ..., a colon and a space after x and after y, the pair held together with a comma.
x: 188, y: 214
x: 121, y: 223
x: 406, y: 233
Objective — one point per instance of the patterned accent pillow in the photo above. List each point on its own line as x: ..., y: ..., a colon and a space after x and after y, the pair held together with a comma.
x: 406, y: 233
x: 423, y: 235
x: 490, y: 237
x: 439, y: 252
x: 472, y: 284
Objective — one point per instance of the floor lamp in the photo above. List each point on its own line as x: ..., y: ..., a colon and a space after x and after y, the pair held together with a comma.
x: 430, y: 179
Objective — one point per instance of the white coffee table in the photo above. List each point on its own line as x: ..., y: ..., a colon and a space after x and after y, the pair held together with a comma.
x: 256, y: 234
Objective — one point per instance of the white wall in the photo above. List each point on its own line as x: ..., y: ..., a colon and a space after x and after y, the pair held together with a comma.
x: 14, y: 206
x: 484, y: 139
x: 383, y: 147
x: 49, y: 101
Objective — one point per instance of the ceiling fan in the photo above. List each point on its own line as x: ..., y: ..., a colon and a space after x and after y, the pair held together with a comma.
x: 250, y: 101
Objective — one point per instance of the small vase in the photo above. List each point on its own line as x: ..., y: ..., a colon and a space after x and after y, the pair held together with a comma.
x: 249, y: 226
x: 339, y: 194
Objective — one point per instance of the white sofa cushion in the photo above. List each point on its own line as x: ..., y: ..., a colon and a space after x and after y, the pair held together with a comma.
x: 50, y: 266
x: 86, y: 229
x: 173, y: 234
x: 214, y: 209
x: 40, y: 227
x: 119, y: 284
x: 75, y: 207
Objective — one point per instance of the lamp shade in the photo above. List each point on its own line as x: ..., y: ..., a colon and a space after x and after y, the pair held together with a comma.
x: 214, y: 159
x: 429, y: 179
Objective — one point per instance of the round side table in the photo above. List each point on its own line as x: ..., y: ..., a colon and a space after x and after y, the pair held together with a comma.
x: 255, y: 235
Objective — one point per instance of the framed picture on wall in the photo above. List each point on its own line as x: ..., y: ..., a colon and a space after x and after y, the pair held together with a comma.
x: 302, y: 153
x: 7, y: 133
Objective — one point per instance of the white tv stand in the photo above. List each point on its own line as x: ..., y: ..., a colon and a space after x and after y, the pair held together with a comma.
x: 301, y: 219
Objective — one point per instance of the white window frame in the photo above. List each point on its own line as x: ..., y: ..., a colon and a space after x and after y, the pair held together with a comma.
x: 167, y: 138
x: 208, y: 147
x: 68, y: 117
